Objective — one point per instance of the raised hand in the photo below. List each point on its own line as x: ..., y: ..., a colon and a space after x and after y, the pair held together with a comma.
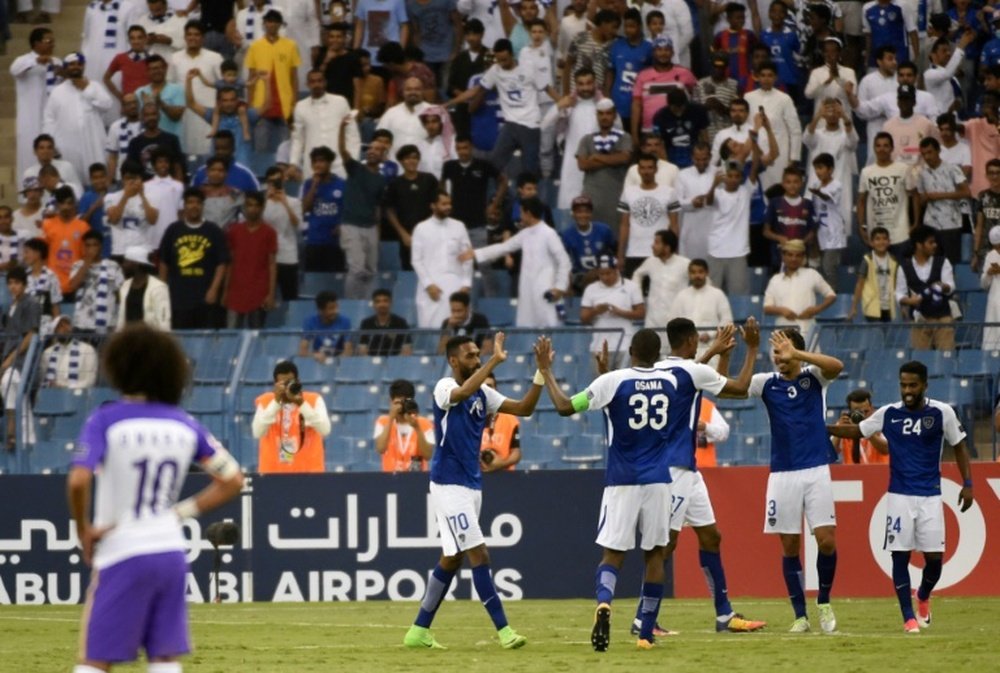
x: 725, y: 340
x: 782, y: 345
x: 544, y: 354
x: 603, y: 359
x: 499, y: 354
x: 751, y: 332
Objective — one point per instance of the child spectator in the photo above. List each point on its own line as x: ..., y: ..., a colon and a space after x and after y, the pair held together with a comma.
x: 987, y: 212
x: 64, y: 236
x: 253, y: 270
x: 875, y: 290
x: 28, y: 218
x: 95, y: 282
x: 783, y: 48
x: 789, y: 216
x: 43, y: 284
x: 737, y: 42
x: 323, y: 205
x: 832, y: 132
x: 129, y: 213
x: 629, y: 54
x: 11, y: 241
x: 831, y: 217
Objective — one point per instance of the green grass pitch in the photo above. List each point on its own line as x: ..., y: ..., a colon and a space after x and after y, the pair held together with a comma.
x: 363, y: 637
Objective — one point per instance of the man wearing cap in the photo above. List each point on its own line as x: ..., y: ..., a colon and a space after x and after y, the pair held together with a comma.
x: 247, y: 25
x: 68, y: 362
x: 73, y: 116
x: 28, y: 218
x: 612, y: 303
x: 886, y: 105
x: 603, y: 156
x: 791, y: 293
x: 652, y: 84
x: 35, y: 75
x: 275, y: 59
x: 585, y: 241
x: 908, y: 128
x: 142, y: 297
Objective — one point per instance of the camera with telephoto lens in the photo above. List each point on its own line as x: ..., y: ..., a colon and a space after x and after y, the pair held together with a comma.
x: 294, y: 388
x: 410, y: 407
x: 857, y: 416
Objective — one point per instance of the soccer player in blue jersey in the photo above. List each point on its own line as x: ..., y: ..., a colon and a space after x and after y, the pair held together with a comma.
x: 801, y: 453
x: 690, y: 502
x: 916, y: 430
x: 461, y: 406
x: 636, y: 402
x: 142, y: 446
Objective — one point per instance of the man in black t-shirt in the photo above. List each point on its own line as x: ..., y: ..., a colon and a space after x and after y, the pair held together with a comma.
x: 395, y: 340
x: 408, y: 199
x: 194, y: 255
x: 467, y: 179
x: 152, y: 139
x: 465, y: 322
x: 340, y: 65
x: 215, y: 16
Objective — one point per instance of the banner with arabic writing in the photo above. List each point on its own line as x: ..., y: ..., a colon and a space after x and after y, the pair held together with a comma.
x: 328, y: 537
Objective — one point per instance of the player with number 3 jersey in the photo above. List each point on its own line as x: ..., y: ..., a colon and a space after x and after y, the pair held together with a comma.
x: 916, y: 430
x: 141, y: 447
x: 801, y: 453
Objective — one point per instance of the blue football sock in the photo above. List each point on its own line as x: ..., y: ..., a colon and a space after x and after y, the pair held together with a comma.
x: 932, y: 573
x: 607, y: 578
x: 649, y: 603
x: 901, y: 580
x: 826, y: 568
x: 791, y: 567
x: 482, y: 579
x: 711, y: 565
x: 436, y: 590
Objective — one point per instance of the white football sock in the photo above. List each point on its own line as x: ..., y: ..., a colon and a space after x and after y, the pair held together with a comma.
x: 164, y: 667
x: 82, y: 668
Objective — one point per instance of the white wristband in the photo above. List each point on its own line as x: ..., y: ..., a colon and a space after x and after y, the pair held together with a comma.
x: 539, y: 379
x: 187, y: 509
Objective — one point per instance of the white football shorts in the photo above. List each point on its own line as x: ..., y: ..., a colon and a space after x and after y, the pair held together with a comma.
x: 624, y: 509
x: 690, y: 504
x: 914, y: 523
x: 457, y: 511
x: 796, y: 492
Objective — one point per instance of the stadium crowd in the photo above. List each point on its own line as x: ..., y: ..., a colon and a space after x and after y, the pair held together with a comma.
x: 191, y: 160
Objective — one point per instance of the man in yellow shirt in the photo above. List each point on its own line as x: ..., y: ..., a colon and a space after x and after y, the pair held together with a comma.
x: 275, y: 60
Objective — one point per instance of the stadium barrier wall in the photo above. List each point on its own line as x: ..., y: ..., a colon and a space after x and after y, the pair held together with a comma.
x: 350, y: 537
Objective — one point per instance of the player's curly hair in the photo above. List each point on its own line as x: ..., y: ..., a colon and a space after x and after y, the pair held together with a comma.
x: 142, y: 360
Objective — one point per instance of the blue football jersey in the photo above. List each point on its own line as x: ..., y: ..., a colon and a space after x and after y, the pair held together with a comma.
x: 682, y: 425
x: 584, y: 249
x: 459, y: 432
x: 783, y: 46
x: 888, y: 25
x: 796, y: 409
x: 916, y: 439
x: 626, y: 61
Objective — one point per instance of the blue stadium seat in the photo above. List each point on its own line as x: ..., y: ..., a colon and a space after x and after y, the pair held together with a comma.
x: 759, y: 276
x: 213, y: 355
x: 66, y: 428
x: 958, y: 392
x: 729, y: 403
x: 547, y: 422
x: 520, y: 341
x: 277, y: 345
x: 974, y: 363
x: 355, y: 310
x: 975, y: 306
x: 939, y: 363
x: 405, y: 283
x: 577, y: 342
x: 500, y: 310
x: 206, y: 400
x: 966, y: 280
x: 753, y: 421
x: 541, y: 452
x: 260, y: 370
x: 966, y: 248
x: 572, y: 310
x: 388, y: 256
x: 313, y: 373
x: 356, y: 424
x: 58, y: 402
x: 50, y: 456
x: 838, y: 311
x: 218, y: 424
x: 246, y: 399
x: 745, y: 306
x: 405, y: 306
x: 355, y: 397
x: 415, y: 368
x: 836, y: 394
x: 297, y: 312
x: 314, y: 282
x: 584, y: 451
x: 359, y: 369
x: 99, y: 395
x: 847, y: 277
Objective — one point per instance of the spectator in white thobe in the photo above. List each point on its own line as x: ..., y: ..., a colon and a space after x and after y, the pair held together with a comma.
x: 403, y: 119
x: 691, y: 185
x: 195, y: 139
x: 317, y: 121
x: 164, y: 29
x: 791, y: 293
x: 703, y: 304
x: 105, y: 33
x: 74, y: 116
x: 438, y: 243
x: 667, y: 273
x: 35, y: 75
x: 545, y: 267
x: 780, y: 109
x: 581, y: 120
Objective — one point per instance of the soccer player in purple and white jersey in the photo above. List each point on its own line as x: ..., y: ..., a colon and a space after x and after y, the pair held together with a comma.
x: 140, y: 448
x: 916, y: 430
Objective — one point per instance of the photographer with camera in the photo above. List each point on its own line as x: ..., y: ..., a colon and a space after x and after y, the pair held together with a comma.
x: 290, y: 424
x: 860, y: 451
x: 501, y: 447
x: 403, y: 437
